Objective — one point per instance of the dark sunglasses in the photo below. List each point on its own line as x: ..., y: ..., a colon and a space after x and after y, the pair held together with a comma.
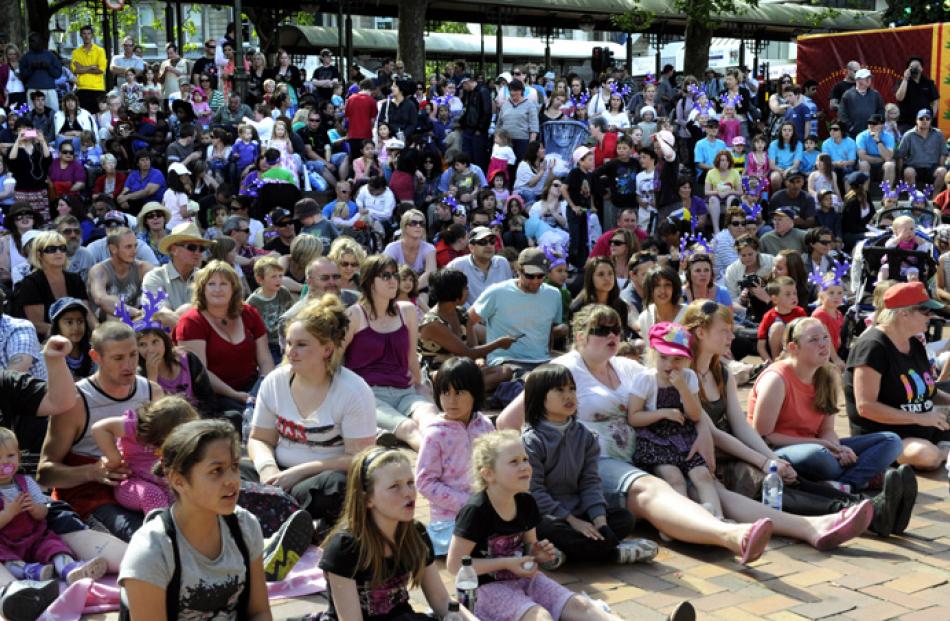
x: 736, y: 223
x: 242, y: 230
x: 54, y: 249
x: 487, y: 241
x: 314, y: 119
x: 24, y: 216
x: 618, y: 242
x: 64, y: 152
x: 709, y: 307
x: 825, y: 242
x: 604, y: 330
x: 416, y: 223
x: 533, y: 276
x: 283, y: 224
x: 154, y: 214
x: 71, y: 231
x: 387, y: 276
x: 326, y: 277
x: 353, y: 264
x: 191, y: 247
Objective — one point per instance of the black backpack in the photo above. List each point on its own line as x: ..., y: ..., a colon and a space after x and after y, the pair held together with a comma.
x: 174, y: 585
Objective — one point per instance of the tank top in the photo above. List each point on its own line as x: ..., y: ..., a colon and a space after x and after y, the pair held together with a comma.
x: 181, y: 384
x: 128, y: 288
x: 380, y: 358
x: 100, y: 405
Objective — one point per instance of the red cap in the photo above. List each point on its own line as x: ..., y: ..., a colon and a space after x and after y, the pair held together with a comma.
x: 909, y: 294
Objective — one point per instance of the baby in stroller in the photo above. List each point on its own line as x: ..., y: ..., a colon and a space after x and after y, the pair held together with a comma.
x: 906, y: 237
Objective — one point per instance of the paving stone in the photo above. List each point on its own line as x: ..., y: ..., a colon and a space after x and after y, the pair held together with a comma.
x: 914, y: 582
x: 937, y: 613
x: 876, y: 612
x: 859, y: 579
x: 769, y: 604
x: 901, y: 599
x: 636, y: 610
x: 809, y: 578
x: 820, y: 610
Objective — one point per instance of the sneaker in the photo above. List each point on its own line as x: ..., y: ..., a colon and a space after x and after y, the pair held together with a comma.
x: 26, y: 600
x: 287, y: 545
x: 909, y: 497
x: 37, y: 571
x: 886, y: 504
x: 95, y: 569
x: 636, y: 550
x: 684, y: 611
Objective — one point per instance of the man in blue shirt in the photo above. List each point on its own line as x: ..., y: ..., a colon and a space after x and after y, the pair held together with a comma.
x: 842, y: 149
x: 704, y: 154
x: 797, y: 113
x: 344, y: 193
x: 876, y: 150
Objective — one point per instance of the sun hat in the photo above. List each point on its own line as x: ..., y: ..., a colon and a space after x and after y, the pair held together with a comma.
x: 186, y: 232
x: 151, y: 206
x: 62, y: 305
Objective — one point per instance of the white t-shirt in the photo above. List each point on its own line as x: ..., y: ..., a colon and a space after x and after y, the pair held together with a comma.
x: 602, y: 410
x: 348, y: 411
x: 645, y: 386
x: 620, y: 120
x: 504, y: 153
x: 175, y: 202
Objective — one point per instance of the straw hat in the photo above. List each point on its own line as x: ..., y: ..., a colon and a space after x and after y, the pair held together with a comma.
x: 186, y: 232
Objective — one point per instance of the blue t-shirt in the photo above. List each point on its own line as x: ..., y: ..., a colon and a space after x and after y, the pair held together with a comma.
x: 845, y: 151
x: 785, y: 157
x: 865, y: 142
x: 705, y: 151
x: 799, y: 117
x: 808, y: 160
x: 506, y: 310
x: 135, y: 182
x: 329, y: 207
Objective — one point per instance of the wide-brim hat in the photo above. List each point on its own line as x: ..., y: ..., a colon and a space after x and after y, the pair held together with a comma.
x: 151, y: 206
x: 186, y: 232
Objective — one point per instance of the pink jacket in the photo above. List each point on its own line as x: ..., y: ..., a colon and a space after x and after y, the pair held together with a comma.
x: 443, y: 468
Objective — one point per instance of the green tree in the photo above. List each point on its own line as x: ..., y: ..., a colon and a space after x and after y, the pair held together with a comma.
x: 915, y: 12
x: 449, y: 27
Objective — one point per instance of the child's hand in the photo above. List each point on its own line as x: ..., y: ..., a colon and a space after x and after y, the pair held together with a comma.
x: 111, y: 463
x: 517, y: 564
x: 543, y: 551
x: 26, y: 502
x: 12, y: 508
x: 674, y: 415
x: 678, y: 380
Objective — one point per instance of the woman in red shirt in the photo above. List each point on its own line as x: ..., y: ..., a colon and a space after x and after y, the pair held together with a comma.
x: 227, y: 335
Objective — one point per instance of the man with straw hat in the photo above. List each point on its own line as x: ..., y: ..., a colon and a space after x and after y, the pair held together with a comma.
x: 186, y: 247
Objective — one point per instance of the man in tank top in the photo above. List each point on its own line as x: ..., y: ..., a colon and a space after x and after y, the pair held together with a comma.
x: 119, y: 277
x: 70, y: 460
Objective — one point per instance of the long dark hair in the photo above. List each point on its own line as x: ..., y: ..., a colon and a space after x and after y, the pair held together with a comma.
x: 372, y: 267
x: 793, y: 142
x: 588, y: 294
x: 536, y: 386
x: 665, y: 273
x: 531, y: 153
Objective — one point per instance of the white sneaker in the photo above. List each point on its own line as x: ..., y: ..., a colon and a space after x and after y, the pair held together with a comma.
x: 636, y: 550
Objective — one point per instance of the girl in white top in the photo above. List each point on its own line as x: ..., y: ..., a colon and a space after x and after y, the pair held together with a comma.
x: 615, y: 115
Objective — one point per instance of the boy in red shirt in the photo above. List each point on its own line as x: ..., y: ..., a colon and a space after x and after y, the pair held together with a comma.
x: 785, y: 309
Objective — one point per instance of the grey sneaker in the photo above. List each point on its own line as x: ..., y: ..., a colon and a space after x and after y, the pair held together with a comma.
x: 26, y: 600
x: 636, y: 550
x: 287, y: 545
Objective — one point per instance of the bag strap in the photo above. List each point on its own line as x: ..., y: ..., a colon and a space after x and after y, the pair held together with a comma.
x: 174, y: 585
x: 245, y: 597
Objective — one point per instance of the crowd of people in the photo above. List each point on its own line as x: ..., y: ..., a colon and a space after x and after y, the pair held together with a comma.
x: 210, y: 297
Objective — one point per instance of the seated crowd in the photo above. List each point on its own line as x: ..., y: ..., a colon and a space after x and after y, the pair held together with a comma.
x: 217, y: 333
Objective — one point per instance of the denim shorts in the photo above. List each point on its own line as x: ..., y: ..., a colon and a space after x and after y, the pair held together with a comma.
x: 617, y: 477
x: 395, y: 405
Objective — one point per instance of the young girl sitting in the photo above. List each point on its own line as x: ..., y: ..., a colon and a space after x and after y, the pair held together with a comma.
x: 757, y: 162
x: 444, y: 465
x: 513, y: 234
x: 409, y: 290
x: 70, y: 317
x: 664, y: 407
x: 28, y: 549
x: 496, y: 527
x: 498, y: 182
x: 133, y: 439
x: 564, y: 478
x: 377, y: 551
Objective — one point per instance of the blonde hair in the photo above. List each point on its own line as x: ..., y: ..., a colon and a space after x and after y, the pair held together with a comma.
x: 825, y: 380
x: 902, y: 222
x: 693, y: 319
x: 303, y: 250
x: 408, y: 549
x: 264, y: 264
x: 593, y: 315
x: 882, y: 316
x: 8, y: 438
x: 42, y: 241
x: 217, y: 267
x: 407, y: 216
x: 344, y: 245
x: 325, y: 319
x: 485, y: 453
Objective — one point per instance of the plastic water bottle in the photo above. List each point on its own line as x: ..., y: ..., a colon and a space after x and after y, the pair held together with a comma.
x: 453, y: 614
x: 772, y: 488
x: 246, y: 419
x: 466, y: 584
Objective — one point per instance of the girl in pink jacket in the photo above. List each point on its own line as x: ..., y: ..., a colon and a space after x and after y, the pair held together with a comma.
x: 443, y: 468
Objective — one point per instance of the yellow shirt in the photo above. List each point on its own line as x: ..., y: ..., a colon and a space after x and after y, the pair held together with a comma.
x: 95, y: 57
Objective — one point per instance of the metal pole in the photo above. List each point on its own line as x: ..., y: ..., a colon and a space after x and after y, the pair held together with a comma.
x: 339, y: 39
x: 741, y: 51
x: 179, y: 29
x: 630, y: 53
x: 659, y: 54
x: 240, y: 77
x: 755, y: 59
x: 106, y: 39
x: 499, y: 48
x: 169, y: 23
x: 350, y: 60
x: 547, y: 49
x: 481, y: 58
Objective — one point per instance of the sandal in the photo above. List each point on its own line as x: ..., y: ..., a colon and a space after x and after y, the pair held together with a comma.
x: 848, y: 524
x: 755, y: 540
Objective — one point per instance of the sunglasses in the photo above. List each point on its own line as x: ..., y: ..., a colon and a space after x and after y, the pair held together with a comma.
x: 23, y: 217
x: 352, y: 264
x: 53, y: 249
x: 326, y: 277
x: 387, y: 276
x: 532, y: 276
x: 70, y: 232
x: 487, y: 241
x: 736, y: 223
x: 617, y: 242
x: 416, y: 223
x: 283, y: 224
x: 824, y: 242
x: 604, y: 330
x: 67, y: 152
x: 709, y: 307
x: 242, y: 230
x: 191, y: 247
x: 153, y: 215
x: 314, y: 120
x: 113, y: 223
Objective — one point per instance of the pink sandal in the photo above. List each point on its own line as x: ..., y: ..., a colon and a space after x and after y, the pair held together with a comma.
x: 755, y: 540
x: 848, y: 524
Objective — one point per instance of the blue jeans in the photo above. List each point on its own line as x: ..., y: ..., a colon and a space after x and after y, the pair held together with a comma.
x: 875, y: 451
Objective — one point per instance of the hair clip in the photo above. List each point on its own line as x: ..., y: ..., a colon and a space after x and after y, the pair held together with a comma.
x: 729, y: 100
x: 153, y: 304
x: 21, y: 110
x: 649, y: 79
x: 623, y: 91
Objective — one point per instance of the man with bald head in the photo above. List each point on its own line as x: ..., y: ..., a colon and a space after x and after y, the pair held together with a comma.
x: 842, y: 87
x: 323, y: 276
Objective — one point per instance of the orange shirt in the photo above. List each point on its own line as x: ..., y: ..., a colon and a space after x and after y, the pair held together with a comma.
x: 798, y: 416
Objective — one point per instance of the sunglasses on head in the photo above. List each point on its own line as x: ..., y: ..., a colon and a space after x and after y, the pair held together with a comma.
x: 54, y: 249
x: 387, y: 276
x: 605, y: 330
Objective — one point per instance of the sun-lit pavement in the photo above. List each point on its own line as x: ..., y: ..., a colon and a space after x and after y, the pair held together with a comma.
x: 868, y: 579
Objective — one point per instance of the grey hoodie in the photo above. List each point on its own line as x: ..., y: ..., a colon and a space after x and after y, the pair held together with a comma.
x: 564, y: 477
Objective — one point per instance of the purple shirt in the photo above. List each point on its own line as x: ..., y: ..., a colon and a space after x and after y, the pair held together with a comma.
x: 74, y: 173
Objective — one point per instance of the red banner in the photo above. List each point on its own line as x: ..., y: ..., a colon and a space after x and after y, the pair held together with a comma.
x: 884, y: 52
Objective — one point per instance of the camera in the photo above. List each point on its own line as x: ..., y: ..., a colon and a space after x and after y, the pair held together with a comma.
x: 751, y: 281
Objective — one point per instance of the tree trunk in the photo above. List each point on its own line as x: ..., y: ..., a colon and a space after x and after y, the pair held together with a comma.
x: 696, y: 48
x: 412, y: 25
x: 266, y: 23
x: 11, y: 23
x: 38, y: 15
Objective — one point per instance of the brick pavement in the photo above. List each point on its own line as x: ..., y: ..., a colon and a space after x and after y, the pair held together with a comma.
x: 869, y: 579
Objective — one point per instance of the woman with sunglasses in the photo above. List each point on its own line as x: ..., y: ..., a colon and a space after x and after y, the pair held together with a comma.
x: 411, y: 248
x: 380, y: 347
x: 151, y: 228
x: 48, y: 282
x: 744, y: 457
x: 623, y: 245
x: 66, y: 173
x: 700, y: 281
x: 348, y: 256
x: 604, y: 381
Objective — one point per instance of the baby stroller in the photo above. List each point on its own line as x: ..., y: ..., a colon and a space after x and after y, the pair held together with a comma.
x: 875, y: 253
x: 562, y: 137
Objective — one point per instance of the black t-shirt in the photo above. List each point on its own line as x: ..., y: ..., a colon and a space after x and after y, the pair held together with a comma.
x: 494, y: 537
x: 35, y: 289
x: 325, y: 73
x: 206, y: 66
x: 315, y: 139
x: 20, y: 398
x: 907, y: 380
x: 388, y: 600
x: 622, y: 177
x: 580, y: 186
x: 804, y: 203
x: 277, y: 244
x: 839, y: 89
x: 919, y: 96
